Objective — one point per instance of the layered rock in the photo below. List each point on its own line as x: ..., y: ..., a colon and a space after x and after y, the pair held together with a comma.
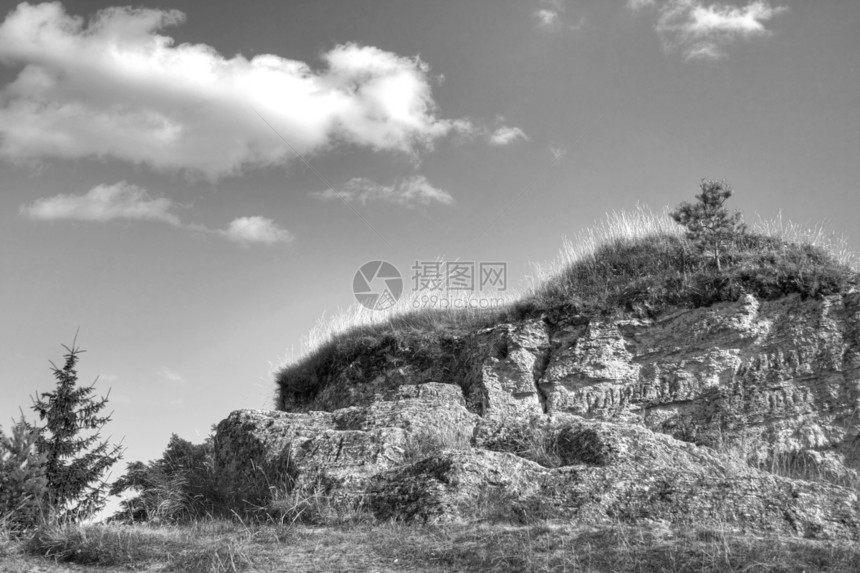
x: 617, y: 472
x: 259, y: 452
x: 784, y: 374
x: 635, y: 409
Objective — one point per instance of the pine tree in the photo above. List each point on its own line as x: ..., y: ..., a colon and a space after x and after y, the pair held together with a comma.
x: 22, y: 476
x: 75, y: 456
x: 710, y: 226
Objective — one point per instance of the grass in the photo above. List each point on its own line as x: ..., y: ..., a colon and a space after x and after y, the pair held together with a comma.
x: 423, y: 444
x: 313, y: 504
x: 203, y: 546
x: 224, y: 546
x: 634, y: 262
x: 643, y: 276
x: 750, y: 448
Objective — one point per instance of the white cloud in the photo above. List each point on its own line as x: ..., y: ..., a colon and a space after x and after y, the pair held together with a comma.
x: 551, y: 16
x: 558, y: 152
x: 703, y: 31
x: 173, y: 377
x: 103, y: 203
x: 638, y: 4
x: 256, y: 229
x: 507, y: 135
x: 122, y: 200
x: 546, y: 16
x: 415, y: 190
x: 116, y: 87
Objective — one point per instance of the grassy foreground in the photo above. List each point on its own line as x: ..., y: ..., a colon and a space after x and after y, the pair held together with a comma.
x: 222, y: 546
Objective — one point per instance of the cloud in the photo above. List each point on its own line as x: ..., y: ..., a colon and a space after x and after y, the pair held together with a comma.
x: 558, y: 152
x: 173, y: 377
x: 639, y: 4
x: 546, y: 17
x: 507, y: 135
x: 415, y: 190
x: 104, y: 203
x: 256, y: 229
x: 115, y: 86
x: 129, y: 202
x: 703, y: 31
x: 550, y: 16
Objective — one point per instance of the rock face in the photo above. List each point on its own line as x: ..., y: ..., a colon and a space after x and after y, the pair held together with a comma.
x: 258, y: 451
x: 633, y: 410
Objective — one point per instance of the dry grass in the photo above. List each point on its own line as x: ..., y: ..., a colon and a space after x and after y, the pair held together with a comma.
x: 411, y: 315
x: 636, y: 262
x: 430, y: 442
x: 411, y: 311
x: 221, y: 546
x: 547, y: 547
x: 311, y: 504
x: 208, y: 546
x: 617, y: 226
x: 811, y: 234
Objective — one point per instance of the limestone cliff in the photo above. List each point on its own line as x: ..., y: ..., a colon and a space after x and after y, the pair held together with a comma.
x: 638, y: 413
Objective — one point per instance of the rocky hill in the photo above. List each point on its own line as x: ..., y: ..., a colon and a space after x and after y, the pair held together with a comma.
x: 743, y: 412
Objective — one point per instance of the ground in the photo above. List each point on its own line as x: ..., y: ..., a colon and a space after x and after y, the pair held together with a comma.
x: 224, y: 546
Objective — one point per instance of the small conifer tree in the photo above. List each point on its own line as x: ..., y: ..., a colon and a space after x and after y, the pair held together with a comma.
x: 75, y: 456
x: 710, y: 226
x: 22, y: 477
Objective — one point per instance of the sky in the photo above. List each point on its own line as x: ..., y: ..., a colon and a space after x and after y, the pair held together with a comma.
x: 191, y: 184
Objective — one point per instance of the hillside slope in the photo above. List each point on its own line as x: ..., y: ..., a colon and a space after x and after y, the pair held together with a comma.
x: 638, y: 385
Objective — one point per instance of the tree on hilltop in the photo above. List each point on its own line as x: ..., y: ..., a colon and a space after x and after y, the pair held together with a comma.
x: 710, y: 225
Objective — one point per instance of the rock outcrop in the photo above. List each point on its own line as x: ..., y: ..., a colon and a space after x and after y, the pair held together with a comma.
x: 638, y: 414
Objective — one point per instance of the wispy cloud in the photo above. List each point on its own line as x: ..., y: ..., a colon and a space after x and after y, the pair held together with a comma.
x: 551, y: 16
x: 408, y: 192
x: 704, y: 31
x: 173, y: 377
x: 116, y: 86
x: 246, y: 230
x: 507, y: 135
x: 104, y: 203
x: 546, y: 16
x: 124, y: 201
x: 558, y: 152
x: 638, y: 4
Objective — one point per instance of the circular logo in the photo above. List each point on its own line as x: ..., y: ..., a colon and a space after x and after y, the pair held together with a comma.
x: 377, y: 285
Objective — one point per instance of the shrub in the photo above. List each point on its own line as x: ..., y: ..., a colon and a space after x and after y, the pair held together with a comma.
x: 181, y: 485
x: 23, y: 484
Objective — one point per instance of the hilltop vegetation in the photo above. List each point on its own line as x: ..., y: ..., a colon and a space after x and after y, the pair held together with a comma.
x: 636, y: 263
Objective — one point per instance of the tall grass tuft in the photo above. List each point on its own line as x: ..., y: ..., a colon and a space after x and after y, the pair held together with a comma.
x: 634, y: 225
x: 815, y: 235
